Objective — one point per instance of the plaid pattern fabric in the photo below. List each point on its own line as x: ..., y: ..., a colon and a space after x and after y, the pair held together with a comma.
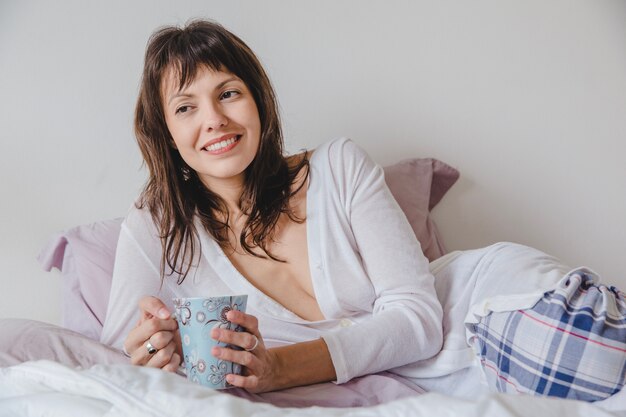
x: 571, y: 344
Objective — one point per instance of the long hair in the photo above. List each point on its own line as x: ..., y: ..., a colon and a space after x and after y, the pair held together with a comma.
x: 174, y: 194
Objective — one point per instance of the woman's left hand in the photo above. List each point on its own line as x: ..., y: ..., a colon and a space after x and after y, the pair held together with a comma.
x: 260, y: 373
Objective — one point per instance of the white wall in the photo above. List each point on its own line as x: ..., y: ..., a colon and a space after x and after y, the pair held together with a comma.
x: 526, y: 98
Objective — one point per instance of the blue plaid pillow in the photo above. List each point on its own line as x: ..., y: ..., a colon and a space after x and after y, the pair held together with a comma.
x: 571, y: 344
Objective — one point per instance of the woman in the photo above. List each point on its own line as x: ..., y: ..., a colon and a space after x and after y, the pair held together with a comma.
x: 311, y: 238
x: 338, y: 286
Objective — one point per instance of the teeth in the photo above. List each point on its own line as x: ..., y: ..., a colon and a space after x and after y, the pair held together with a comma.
x: 222, y: 144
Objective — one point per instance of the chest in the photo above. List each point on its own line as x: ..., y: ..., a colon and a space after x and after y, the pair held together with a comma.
x: 287, y: 281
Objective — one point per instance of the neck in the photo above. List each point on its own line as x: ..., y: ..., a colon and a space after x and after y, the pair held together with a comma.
x: 230, y: 191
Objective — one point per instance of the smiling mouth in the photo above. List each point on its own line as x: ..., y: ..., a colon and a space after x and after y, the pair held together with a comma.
x: 222, y: 146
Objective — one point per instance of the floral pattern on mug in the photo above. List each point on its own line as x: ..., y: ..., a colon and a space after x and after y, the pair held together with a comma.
x: 182, y: 311
x: 222, y: 305
x: 218, y: 372
x: 196, y: 318
x: 194, y: 366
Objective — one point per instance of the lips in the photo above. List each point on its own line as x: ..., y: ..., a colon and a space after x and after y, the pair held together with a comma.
x: 222, y: 144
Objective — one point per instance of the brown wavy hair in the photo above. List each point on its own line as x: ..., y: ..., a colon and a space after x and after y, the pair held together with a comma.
x: 174, y: 194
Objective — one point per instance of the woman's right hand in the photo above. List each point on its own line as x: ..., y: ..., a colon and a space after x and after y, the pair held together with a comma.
x: 157, y: 327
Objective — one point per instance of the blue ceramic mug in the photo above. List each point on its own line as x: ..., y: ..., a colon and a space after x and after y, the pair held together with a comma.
x: 196, y: 317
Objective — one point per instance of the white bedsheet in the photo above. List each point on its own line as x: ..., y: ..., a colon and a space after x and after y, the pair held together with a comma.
x: 46, y: 388
x: 470, y: 282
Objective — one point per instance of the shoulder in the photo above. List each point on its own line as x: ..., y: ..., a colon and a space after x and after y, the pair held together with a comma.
x: 340, y: 150
x: 138, y: 215
x: 139, y: 225
x: 345, y: 169
x: 342, y: 157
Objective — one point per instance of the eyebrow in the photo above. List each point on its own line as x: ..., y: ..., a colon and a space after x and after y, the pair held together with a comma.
x: 217, y: 87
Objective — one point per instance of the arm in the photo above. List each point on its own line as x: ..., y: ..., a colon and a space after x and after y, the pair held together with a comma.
x: 136, y: 273
x: 272, y: 369
x: 304, y: 364
x: 406, y: 321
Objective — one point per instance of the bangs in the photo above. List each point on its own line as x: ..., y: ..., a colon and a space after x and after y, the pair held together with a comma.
x: 189, y: 52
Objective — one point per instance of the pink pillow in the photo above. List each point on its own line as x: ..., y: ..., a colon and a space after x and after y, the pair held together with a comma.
x: 418, y: 185
x: 85, y: 254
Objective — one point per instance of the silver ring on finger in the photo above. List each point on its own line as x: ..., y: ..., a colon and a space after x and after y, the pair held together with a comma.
x: 151, y: 349
x: 256, y: 344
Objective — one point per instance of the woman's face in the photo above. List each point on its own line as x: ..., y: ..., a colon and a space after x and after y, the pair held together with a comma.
x: 215, y: 125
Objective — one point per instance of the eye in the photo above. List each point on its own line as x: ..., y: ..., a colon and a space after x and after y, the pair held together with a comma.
x: 229, y: 94
x: 182, y: 109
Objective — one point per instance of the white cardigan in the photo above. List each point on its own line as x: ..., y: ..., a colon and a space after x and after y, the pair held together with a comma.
x: 370, y: 278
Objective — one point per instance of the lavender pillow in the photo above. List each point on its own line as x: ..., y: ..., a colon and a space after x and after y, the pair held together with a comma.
x: 85, y: 254
x: 418, y: 185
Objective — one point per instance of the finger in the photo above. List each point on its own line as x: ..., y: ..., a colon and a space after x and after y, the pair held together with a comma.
x: 162, y: 357
x: 249, y: 383
x: 244, y: 340
x: 138, y: 337
x: 141, y: 356
x: 241, y: 357
x: 174, y: 363
x: 161, y: 339
x: 153, y: 307
x: 248, y: 321
x: 178, y: 342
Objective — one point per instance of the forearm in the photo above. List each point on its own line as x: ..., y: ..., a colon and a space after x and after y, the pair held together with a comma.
x: 389, y: 339
x: 303, y: 364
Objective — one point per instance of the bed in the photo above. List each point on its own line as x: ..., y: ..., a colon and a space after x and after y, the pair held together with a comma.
x: 47, y: 369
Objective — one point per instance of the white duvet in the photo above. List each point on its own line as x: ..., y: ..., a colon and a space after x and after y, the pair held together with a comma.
x: 67, y: 383
x: 46, y: 388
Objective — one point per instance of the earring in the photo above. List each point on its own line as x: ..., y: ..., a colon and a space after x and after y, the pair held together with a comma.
x: 186, y: 173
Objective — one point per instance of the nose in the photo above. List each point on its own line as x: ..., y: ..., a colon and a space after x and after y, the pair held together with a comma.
x: 214, y: 117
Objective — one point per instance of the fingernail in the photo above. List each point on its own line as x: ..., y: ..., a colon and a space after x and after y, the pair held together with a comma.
x: 163, y: 313
x: 215, y: 333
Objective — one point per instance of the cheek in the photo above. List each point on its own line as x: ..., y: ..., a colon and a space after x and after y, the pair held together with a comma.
x: 255, y: 120
x: 180, y: 134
